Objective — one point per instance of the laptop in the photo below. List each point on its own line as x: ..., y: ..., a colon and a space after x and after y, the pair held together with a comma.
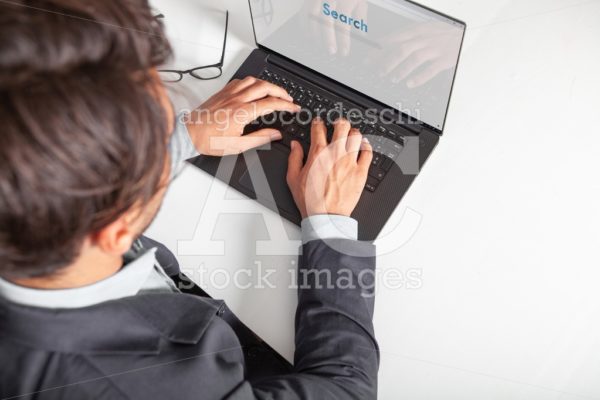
x: 388, y: 66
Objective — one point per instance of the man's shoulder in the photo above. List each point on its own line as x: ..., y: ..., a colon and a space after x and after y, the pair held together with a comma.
x: 178, y: 317
x: 135, y: 320
x: 121, y: 345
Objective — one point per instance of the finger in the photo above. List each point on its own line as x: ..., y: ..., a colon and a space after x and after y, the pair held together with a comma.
x: 340, y: 133
x: 252, y: 140
x: 414, y: 62
x: 400, y: 55
x: 261, y: 89
x: 362, y: 8
x: 353, y: 143
x: 366, y: 155
x: 433, y: 70
x: 315, y: 28
x: 343, y: 34
x: 294, y: 163
x: 237, y: 85
x: 252, y: 111
x: 318, y: 133
x: 344, y: 40
x: 317, y: 21
x: 328, y: 31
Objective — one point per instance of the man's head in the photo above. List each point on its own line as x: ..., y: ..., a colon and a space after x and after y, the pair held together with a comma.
x: 84, y: 128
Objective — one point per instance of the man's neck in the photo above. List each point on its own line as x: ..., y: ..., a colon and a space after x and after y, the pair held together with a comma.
x: 90, y: 267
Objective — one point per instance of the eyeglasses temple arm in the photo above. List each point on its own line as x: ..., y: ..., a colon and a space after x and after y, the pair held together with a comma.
x: 225, y: 40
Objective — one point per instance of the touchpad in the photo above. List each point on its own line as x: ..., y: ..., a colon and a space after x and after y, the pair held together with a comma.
x: 266, y: 178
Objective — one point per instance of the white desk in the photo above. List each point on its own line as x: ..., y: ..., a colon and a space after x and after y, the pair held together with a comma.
x: 502, y: 225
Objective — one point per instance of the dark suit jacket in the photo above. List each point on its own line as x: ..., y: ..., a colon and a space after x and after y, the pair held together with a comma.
x: 179, y: 346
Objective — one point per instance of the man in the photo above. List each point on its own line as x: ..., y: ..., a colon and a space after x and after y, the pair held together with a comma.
x: 88, y: 308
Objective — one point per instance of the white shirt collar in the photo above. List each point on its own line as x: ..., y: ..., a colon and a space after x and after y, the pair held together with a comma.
x: 127, y: 282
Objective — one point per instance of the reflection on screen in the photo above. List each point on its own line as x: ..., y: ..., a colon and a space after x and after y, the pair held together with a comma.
x: 394, y: 51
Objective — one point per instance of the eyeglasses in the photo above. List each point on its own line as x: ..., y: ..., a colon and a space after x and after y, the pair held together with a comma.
x: 206, y: 72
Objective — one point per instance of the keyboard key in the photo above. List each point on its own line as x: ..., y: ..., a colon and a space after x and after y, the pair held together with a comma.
x: 378, y: 140
x: 392, y: 150
x: 361, y: 127
x: 387, y: 164
x: 372, y: 184
x: 390, y: 154
x: 286, y: 139
x: 376, y: 159
x: 304, y: 118
x: 368, y: 130
x: 291, y: 129
x: 355, y: 116
x: 392, y: 134
x: 377, y: 173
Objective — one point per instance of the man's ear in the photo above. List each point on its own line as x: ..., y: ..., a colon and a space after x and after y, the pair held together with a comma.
x: 115, y: 238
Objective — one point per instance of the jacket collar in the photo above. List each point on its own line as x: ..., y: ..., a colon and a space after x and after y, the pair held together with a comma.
x: 130, y: 325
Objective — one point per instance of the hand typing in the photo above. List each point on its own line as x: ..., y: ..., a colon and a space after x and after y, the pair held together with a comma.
x: 335, y: 174
x: 216, y: 127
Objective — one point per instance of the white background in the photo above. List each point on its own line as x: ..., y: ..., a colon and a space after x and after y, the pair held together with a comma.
x: 506, y: 211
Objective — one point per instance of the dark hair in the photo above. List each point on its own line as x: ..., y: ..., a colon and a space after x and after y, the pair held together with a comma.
x: 83, y: 134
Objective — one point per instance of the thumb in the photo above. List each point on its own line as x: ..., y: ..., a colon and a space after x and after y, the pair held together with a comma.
x: 257, y: 139
x: 295, y: 162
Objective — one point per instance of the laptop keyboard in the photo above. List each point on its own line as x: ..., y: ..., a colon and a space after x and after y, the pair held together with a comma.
x: 387, y: 142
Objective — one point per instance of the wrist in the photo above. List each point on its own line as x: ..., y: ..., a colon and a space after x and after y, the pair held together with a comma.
x: 312, y: 211
x: 323, y: 227
x: 197, y: 134
x: 322, y: 209
x: 324, y: 212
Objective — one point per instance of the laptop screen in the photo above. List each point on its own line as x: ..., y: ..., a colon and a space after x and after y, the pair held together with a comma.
x: 394, y: 51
